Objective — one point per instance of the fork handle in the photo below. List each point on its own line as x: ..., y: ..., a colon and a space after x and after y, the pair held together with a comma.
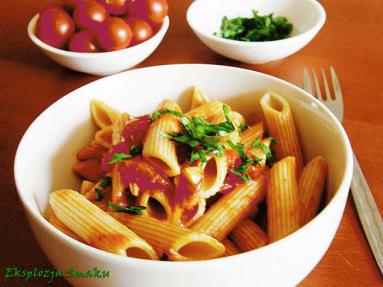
x: 368, y: 213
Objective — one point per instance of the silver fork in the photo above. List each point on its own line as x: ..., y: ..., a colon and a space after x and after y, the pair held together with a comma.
x: 365, y: 205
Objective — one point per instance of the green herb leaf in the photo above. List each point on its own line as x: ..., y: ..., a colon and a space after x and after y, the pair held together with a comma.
x: 157, y: 114
x: 130, y: 209
x: 201, y: 135
x: 99, y: 195
x: 119, y: 156
x: 270, y: 156
x: 243, y: 127
x: 256, y: 28
x: 105, y: 182
x: 241, y: 170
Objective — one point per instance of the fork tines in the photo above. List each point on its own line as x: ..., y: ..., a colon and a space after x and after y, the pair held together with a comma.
x: 324, y: 95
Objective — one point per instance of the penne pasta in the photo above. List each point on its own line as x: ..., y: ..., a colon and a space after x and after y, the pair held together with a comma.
x: 118, y: 127
x: 230, y: 247
x: 230, y: 209
x: 104, y: 137
x: 198, y: 98
x: 208, y: 111
x: 158, y: 149
x: 102, y: 114
x: 62, y: 227
x: 157, y: 205
x: 213, y: 176
x: 310, y: 187
x: 253, y: 133
x: 169, y: 105
x: 178, y: 243
x: 248, y: 235
x: 86, y: 186
x: 282, y: 200
x: 281, y: 126
x: 96, y: 227
x: 118, y: 188
x: 187, y: 216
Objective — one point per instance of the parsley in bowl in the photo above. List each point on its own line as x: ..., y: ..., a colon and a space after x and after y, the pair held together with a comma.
x: 255, y: 29
x: 275, y: 30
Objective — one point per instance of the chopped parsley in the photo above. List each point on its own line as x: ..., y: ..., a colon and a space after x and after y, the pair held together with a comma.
x: 270, y: 156
x: 241, y: 170
x: 130, y: 209
x: 255, y: 29
x: 201, y: 135
x: 243, y: 127
x: 157, y: 114
x: 104, y: 183
x: 119, y: 156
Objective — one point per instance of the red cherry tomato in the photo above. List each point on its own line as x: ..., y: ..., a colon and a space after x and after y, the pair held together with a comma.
x: 82, y: 41
x: 89, y: 15
x: 115, y: 7
x: 114, y: 34
x: 142, y: 31
x: 73, y: 3
x: 54, y: 27
x: 155, y: 10
x: 55, y: 5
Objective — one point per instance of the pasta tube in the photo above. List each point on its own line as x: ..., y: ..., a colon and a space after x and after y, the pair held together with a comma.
x: 281, y: 126
x: 86, y: 186
x: 198, y: 98
x: 208, y: 111
x: 187, y: 216
x: 230, y: 209
x: 250, y: 135
x: 179, y: 243
x: 282, y: 200
x: 248, y: 235
x: 62, y: 227
x: 157, y: 205
x: 230, y: 247
x: 169, y: 105
x: 102, y: 114
x: 214, y: 173
x: 158, y: 149
x: 118, y: 128
x: 310, y: 187
x: 96, y: 227
x: 104, y: 137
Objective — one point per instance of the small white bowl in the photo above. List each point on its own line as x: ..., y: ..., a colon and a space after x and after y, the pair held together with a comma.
x: 205, y: 16
x: 103, y: 63
x: 46, y: 154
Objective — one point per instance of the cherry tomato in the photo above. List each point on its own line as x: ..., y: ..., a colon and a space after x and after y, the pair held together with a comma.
x: 54, y: 27
x: 115, y: 7
x: 73, y: 3
x: 155, y: 10
x: 82, y: 41
x: 141, y: 29
x: 114, y: 34
x: 89, y: 15
x: 55, y: 5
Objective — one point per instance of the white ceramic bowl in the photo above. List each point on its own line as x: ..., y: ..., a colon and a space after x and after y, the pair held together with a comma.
x: 205, y: 16
x: 103, y: 63
x: 47, y: 151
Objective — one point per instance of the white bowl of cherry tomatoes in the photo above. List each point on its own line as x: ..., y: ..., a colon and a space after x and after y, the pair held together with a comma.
x: 100, y: 37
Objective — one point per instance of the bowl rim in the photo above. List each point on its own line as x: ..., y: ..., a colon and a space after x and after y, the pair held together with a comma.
x: 314, y: 29
x: 151, y: 41
x: 39, y: 218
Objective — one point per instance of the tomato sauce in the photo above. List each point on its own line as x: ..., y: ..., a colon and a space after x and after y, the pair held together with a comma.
x: 146, y: 176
